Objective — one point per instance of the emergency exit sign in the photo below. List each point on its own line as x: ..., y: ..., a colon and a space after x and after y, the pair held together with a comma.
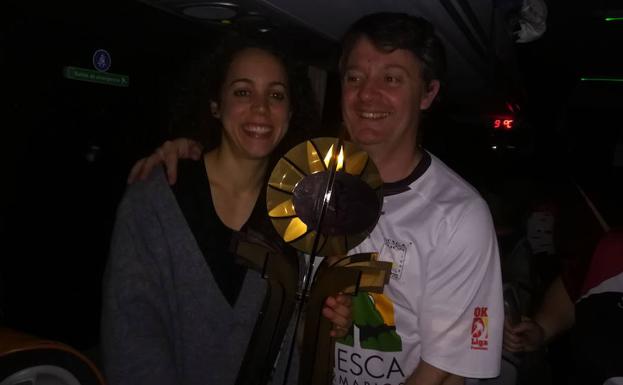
x: 87, y: 75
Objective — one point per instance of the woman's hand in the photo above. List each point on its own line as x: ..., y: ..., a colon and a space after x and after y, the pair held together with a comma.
x: 337, y: 309
x: 169, y: 153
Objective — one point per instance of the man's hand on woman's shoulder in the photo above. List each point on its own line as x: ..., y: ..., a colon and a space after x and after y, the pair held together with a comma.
x: 168, y: 154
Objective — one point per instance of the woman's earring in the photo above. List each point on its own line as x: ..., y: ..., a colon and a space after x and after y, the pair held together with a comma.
x: 215, y: 110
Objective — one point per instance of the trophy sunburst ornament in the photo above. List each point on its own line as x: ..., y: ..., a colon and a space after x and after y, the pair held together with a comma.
x: 324, y: 192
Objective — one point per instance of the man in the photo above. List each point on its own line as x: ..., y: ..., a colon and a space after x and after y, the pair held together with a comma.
x: 441, y: 314
x: 440, y: 317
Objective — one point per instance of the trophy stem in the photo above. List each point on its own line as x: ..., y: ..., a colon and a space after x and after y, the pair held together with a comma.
x: 324, y: 204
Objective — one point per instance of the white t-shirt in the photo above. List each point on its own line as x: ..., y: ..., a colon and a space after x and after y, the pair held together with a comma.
x: 443, y: 303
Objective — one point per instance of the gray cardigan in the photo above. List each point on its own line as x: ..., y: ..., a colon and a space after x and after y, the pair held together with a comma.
x: 164, y: 319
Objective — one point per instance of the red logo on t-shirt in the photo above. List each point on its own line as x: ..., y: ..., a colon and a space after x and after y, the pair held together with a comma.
x: 480, y: 330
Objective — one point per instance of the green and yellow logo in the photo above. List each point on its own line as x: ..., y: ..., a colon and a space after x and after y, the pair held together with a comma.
x: 374, y: 316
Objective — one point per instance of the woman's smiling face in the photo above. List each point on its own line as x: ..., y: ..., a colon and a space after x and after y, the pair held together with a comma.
x: 254, y: 105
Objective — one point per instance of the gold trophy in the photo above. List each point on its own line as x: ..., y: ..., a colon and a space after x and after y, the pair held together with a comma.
x: 324, y: 197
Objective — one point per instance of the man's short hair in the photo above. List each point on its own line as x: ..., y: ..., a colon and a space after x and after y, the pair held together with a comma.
x: 389, y: 31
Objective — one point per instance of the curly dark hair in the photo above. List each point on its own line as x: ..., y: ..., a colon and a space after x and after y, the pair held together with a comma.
x: 211, y: 69
x: 389, y: 31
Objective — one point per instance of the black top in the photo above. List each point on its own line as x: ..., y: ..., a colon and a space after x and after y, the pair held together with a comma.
x: 194, y: 197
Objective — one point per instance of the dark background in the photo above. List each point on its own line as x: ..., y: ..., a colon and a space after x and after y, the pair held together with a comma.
x: 67, y: 148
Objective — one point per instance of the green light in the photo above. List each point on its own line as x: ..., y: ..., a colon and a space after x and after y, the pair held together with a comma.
x: 613, y: 18
x: 617, y: 80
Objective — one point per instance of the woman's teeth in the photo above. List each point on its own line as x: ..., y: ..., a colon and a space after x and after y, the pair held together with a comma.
x: 257, y: 129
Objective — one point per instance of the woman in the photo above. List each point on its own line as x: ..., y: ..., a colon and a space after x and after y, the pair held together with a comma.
x: 177, y: 309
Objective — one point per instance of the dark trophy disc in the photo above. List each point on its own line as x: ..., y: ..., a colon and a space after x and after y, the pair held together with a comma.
x: 321, y: 189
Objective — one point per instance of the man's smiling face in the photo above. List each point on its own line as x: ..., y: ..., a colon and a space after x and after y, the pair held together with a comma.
x: 383, y: 94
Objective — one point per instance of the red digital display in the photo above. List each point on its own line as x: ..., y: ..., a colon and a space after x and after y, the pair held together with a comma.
x: 503, y: 124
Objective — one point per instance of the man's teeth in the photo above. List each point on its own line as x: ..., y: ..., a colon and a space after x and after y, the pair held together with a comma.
x: 374, y: 115
x: 257, y: 129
